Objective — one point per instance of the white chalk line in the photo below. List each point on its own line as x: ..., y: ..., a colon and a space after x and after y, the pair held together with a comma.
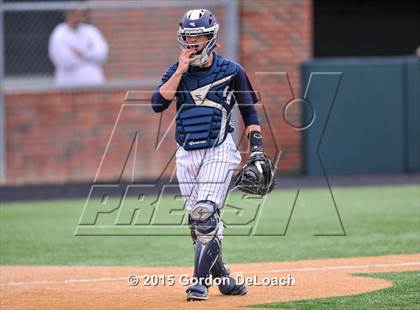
x: 306, y: 269
x: 63, y: 281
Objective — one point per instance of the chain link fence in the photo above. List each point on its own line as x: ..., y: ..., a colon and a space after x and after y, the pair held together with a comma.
x: 54, y: 134
x: 141, y: 36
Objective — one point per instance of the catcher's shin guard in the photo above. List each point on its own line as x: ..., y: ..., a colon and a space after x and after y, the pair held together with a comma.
x: 205, y: 257
x: 219, y: 269
x: 205, y: 220
x: 228, y: 285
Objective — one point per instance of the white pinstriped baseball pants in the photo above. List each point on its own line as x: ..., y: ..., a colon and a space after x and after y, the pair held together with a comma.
x: 205, y: 174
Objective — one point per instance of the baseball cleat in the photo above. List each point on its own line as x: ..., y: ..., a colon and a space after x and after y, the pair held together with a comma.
x: 197, y: 292
x: 230, y: 287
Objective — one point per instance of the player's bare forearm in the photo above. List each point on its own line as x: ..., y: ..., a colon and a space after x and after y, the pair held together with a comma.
x: 252, y: 128
x: 168, y: 90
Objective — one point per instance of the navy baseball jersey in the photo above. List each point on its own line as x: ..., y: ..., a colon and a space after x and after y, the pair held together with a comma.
x: 205, y: 98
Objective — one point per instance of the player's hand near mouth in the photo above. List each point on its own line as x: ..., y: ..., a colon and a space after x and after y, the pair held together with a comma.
x: 185, y: 58
x: 168, y: 90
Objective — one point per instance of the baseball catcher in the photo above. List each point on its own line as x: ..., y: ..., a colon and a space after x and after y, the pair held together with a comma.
x: 206, y: 86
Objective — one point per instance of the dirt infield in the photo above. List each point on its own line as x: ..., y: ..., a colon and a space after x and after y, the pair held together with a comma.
x: 61, y: 287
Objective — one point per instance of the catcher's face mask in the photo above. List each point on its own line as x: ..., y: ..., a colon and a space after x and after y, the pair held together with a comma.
x: 196, y: 24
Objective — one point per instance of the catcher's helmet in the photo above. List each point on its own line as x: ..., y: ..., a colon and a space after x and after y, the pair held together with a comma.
x: 197, y: 23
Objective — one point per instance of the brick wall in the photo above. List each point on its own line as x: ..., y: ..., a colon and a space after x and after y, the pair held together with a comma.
x: 58, y: 136
x: 275, y: 37
x: 62, y: 136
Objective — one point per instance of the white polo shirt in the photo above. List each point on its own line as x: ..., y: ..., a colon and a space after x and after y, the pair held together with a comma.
x: 71, y: 69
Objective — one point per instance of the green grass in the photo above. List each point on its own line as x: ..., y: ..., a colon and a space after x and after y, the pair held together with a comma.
x: 377, y: 220
x: 404, y: 294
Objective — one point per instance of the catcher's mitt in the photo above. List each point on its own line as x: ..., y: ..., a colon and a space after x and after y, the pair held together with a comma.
x: 256, y: 176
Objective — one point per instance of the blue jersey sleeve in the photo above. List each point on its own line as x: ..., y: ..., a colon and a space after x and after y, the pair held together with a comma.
x: 159, y: 103
x: 245, y: 97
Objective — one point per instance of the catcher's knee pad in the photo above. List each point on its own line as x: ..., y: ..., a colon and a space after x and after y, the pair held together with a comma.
x: 202, y: 210
x: 205, y: 216
x: 202, y: 218
x: 205, y: 222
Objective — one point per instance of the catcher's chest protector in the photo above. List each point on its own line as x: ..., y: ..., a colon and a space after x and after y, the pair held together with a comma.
x: 204, y: 104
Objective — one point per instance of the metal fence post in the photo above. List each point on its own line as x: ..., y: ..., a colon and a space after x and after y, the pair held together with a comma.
x: 232, y: 26
x: 232, y: 51
x: 2, y: 101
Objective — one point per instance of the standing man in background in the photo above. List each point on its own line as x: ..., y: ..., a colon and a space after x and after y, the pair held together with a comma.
x: 77, y: 51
